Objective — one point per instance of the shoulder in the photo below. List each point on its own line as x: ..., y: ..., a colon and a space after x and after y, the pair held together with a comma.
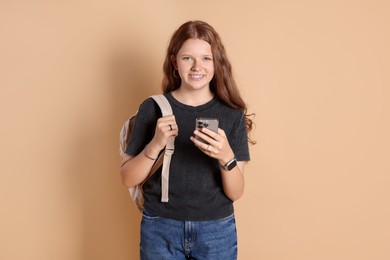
x: 148, y: 108
x: 147, y: 103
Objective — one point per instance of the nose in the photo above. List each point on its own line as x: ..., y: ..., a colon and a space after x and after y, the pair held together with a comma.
x: 196, y: 65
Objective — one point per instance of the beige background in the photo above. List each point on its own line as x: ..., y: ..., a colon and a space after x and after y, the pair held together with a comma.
x: 316, y: 73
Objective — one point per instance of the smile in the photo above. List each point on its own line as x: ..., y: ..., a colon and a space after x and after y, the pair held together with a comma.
x: 196, y: 76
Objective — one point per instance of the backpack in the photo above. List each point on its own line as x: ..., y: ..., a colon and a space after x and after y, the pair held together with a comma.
x: 164, y: 158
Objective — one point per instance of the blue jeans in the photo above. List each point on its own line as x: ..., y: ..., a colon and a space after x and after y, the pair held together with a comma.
x: 163, y: 238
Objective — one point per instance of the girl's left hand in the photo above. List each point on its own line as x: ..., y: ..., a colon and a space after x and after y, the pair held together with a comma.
x: 218, y: 146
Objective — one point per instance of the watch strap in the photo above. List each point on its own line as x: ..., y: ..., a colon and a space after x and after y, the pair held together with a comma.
x: 230, y: 164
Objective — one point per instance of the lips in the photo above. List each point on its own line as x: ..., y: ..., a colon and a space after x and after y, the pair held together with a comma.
x: 196, y: 76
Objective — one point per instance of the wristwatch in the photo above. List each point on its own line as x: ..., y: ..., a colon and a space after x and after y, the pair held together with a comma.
x: 230, y: 164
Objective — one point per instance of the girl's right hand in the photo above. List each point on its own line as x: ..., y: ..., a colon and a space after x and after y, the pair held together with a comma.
x: 166, y: 127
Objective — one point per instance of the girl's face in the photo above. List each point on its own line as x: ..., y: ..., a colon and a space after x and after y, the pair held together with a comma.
x: 195, y: 64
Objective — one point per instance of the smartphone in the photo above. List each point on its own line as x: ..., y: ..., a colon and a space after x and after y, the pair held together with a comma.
x: 209, y: 123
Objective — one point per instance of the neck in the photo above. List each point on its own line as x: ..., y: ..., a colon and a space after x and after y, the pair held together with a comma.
x: 193, y: 98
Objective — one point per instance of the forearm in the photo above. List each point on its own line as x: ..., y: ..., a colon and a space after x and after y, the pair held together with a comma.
x: 233, y: 181
x: 135, y: 170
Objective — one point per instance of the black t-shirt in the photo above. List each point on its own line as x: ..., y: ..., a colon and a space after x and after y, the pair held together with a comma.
x: 195, y: 182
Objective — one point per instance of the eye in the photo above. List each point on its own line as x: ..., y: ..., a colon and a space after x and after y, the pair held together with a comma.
x: 207, y: 59
x: 187, y: 58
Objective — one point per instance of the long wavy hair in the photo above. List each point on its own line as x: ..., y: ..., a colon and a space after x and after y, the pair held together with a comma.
x: 223, y: 84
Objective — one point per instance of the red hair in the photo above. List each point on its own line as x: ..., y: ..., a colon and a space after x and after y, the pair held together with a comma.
x: 223, y: 84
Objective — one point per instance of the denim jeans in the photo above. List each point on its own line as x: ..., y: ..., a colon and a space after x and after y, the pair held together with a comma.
x: 163, y: 238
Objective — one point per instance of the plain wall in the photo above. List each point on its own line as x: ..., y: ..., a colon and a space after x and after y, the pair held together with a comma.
x: 316, y: 73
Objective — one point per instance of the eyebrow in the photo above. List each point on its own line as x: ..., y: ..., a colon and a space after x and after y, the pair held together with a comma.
x: 208, y: 55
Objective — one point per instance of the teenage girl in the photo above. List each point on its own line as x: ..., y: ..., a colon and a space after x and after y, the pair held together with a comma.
x: 205, y: 178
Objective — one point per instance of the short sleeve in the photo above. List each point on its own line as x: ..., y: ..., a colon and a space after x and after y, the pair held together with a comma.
x: 144, y: 126
x: 239, y: 139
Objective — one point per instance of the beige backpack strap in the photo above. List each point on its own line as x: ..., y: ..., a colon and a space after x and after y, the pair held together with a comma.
x: 166, y: 110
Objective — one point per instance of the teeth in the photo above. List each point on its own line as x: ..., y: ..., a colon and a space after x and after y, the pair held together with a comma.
x: 196, y: 76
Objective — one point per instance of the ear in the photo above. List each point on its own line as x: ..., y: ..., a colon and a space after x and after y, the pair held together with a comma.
x: 173, y: 60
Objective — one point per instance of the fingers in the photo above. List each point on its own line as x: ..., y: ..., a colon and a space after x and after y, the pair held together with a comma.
x: 212, y: 141
x: 207, y: 148
x: 210, y: 136
x: 166, y: 127
x: 167, y: 120
x: 216, y: 146
x: 167, y: 124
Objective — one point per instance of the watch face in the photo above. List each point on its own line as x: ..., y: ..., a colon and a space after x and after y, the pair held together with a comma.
x: 231, y: 165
